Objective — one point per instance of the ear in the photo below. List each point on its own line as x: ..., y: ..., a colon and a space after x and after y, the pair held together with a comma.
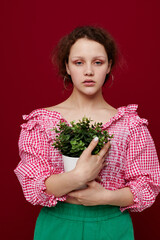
x: 67, y: 69
x: 109, y: 66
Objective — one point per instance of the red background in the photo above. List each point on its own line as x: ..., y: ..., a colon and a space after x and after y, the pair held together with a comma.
x: 30, y: 30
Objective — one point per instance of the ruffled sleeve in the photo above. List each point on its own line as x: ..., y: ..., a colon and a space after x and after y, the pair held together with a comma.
x: 142, y: 172
x: 34, y: 167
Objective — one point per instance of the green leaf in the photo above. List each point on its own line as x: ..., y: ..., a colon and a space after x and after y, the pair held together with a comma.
x: 72, y: 140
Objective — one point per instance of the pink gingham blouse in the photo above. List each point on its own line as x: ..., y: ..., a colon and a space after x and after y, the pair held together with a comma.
x: 132, y: 159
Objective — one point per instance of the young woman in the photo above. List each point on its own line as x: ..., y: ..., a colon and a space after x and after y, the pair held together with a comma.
x: 124, y: 175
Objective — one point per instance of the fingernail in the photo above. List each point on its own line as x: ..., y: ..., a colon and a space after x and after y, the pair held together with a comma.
x: 96, y: 139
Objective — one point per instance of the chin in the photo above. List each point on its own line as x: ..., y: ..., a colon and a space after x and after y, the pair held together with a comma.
x: 90, y: 92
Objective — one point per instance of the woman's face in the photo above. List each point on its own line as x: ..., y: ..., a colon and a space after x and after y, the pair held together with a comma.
x: 88, y: 66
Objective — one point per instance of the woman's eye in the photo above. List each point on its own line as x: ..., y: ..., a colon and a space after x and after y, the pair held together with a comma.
x: 78, y: 63
x: 98, y: 62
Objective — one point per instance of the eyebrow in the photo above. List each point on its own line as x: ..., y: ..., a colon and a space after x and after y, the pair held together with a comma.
x: 93, y: 57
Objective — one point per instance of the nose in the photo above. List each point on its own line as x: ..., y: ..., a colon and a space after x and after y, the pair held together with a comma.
x: 88, y: 71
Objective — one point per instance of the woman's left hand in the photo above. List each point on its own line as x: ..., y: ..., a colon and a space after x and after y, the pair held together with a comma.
x: 91, y: 196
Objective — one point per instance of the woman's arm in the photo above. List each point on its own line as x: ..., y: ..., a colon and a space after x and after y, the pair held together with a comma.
x: 142, y: 176
x: 87, y: 169
x: 35, y: 173
x: 96, y: 194
x: 61, y: 184
x: 122, y: 197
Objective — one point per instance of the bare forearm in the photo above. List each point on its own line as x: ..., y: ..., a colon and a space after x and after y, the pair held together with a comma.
x: 87, y: 168
x: 63, y: 183
x: 122, y: 197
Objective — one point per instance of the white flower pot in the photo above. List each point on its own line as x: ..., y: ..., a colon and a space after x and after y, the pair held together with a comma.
x: 69, y: 162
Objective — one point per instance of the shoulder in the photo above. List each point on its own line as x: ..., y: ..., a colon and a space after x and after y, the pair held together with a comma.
x: 41, y: 118
x: 38, y: 127
x: 130, y: 117
x: 133, y: 116
x: 41, y: 113
x: 132, y: 121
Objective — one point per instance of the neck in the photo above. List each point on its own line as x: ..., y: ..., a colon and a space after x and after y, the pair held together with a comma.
x: 78, y: 100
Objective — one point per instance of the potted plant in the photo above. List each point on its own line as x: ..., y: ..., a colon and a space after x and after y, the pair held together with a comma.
x: 71, y: 140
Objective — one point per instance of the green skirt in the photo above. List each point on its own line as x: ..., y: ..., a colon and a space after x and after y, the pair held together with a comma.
x: 69, y: 221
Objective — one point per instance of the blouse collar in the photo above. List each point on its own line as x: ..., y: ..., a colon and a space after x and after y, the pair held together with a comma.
x: 41, y: 112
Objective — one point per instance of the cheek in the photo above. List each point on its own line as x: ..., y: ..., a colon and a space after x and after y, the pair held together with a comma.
x: 75, y: 76
x: 75, y: 72
x: 102, y: 73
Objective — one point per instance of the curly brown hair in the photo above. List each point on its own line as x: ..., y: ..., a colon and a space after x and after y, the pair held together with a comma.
x: 60, y: 54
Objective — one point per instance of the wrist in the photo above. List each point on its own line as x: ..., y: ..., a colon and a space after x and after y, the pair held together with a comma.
x: 78, y: 177
x: 107, y: 197
x: 121, y: 197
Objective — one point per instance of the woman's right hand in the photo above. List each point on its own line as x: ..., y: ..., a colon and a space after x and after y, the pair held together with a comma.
x: 88, y: 166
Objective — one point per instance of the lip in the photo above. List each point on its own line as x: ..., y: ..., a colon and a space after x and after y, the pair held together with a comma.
x: 89, y: 82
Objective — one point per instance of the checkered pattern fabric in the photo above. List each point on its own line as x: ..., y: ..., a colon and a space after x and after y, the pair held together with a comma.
x: 132, y: 159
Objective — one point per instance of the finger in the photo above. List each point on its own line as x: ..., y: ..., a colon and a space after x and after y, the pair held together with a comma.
x: 72, y: 194
x: 105, y: 164
x: 104, y: 150
x: 92, y: 145
x: 104, y: 157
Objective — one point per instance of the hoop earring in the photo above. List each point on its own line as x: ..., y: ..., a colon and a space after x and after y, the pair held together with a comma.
x: 112, y: 80
x: 65, y: 83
